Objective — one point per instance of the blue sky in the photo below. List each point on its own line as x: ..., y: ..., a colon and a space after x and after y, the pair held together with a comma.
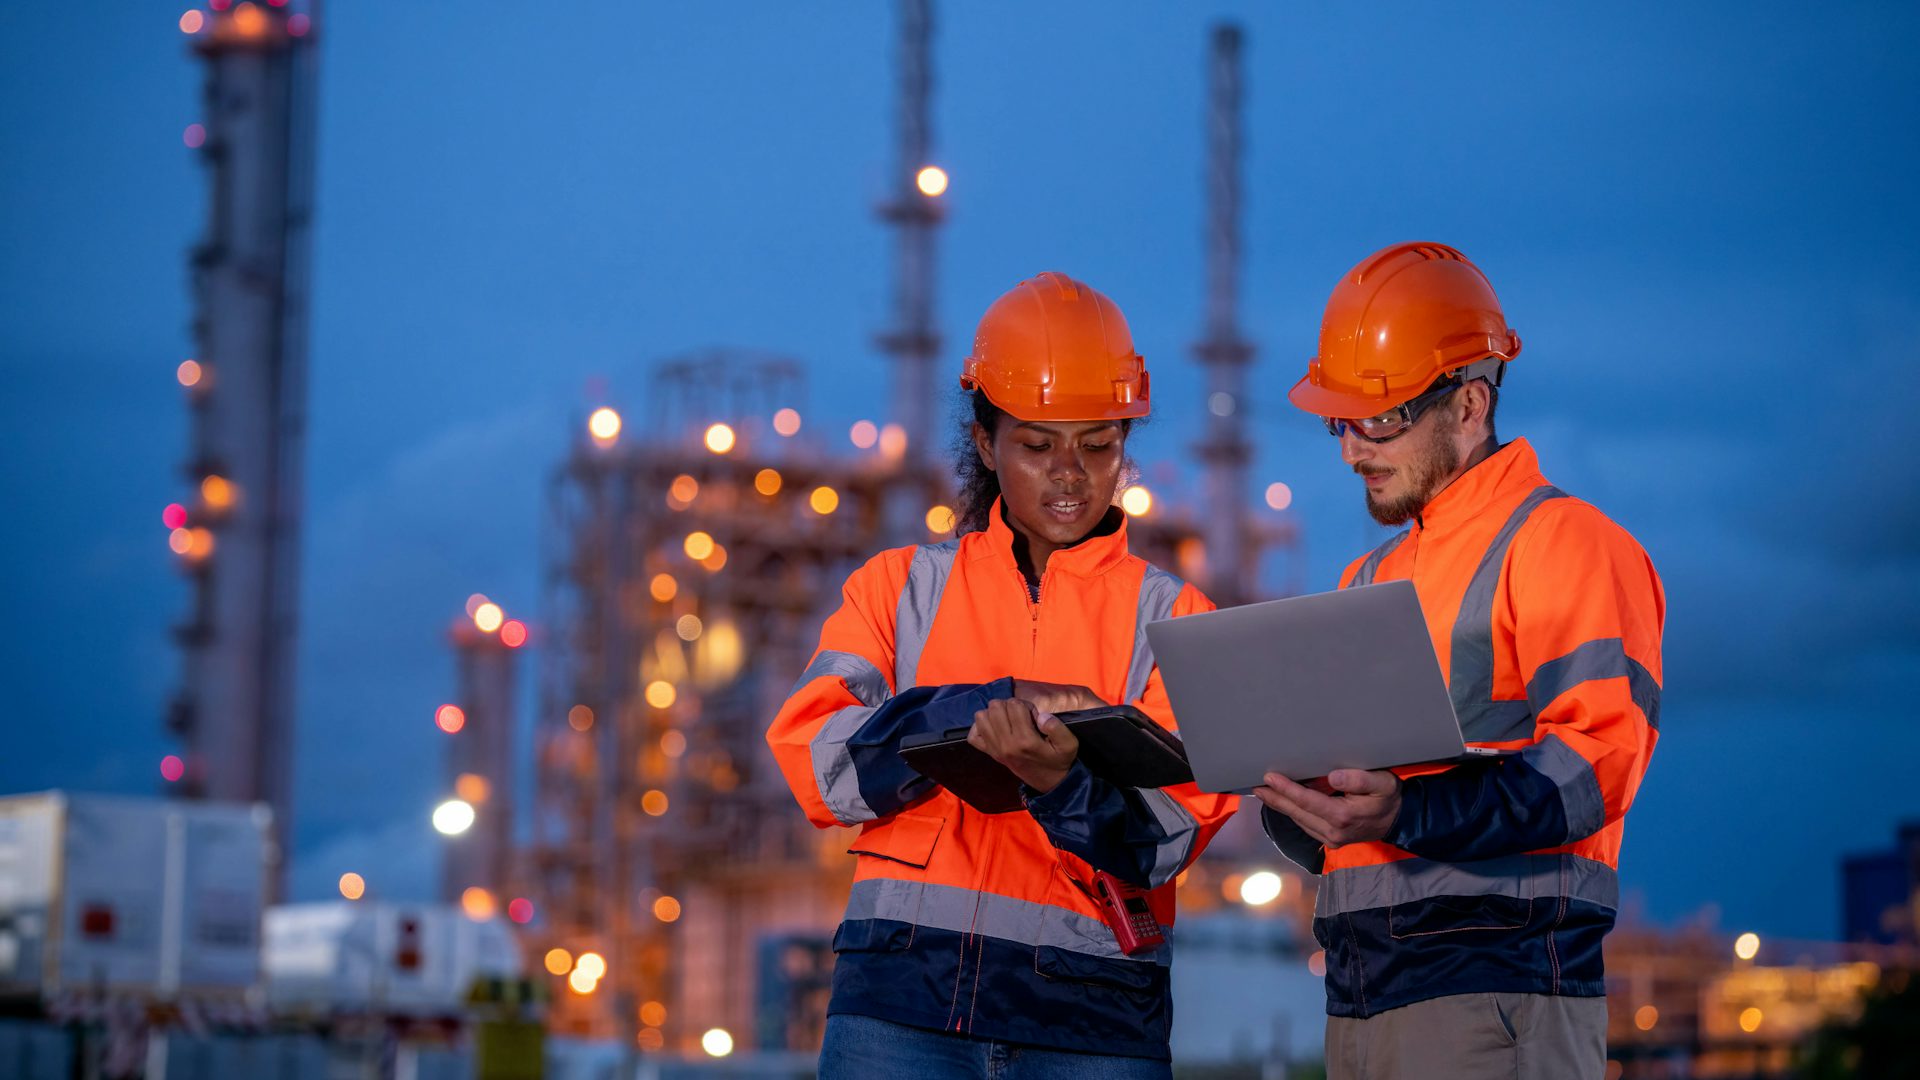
x: 1699, y: 217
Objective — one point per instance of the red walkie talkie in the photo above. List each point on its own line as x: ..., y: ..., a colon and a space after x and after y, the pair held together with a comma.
x: 1126, y: 911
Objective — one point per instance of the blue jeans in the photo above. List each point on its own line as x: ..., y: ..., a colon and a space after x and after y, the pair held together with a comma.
x: 863, y: 1048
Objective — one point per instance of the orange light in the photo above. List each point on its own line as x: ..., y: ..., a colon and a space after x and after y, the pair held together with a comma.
x: 663, y: 587
x: 189, y: 370
x: 1645, y: 1017
x: 673, y: 744
x: 190, y: 23
x: 698, y: 545
x: 180, y: 540
x: 940, y: 519
x: 682, y: 492
x: 580, y: 718
x: 352, y: 886
x: 893, y: 441
x: 559, y: 961
x: 478, y: 904
x: 767, y: 482
x: 217, y: 491
x: 653, y: 1014
x: 249, y: 20
x: 719, y: 438
x: 488, y: 617
x: 666, y: 909
x: 932, y: 181
x: 604, y: 426
x: 864, y: 434
x: 787, y: 422
x: 650, y: 1039
x: 654, y: 803
x: 450, y: 718
x: 1750, y: 1020
x: 661, y: 694
x: 715, y: 559
x: 472, y: 787
x: 824, y: 500
x: 513, y: 633
x: 199, y: 543
x: 1317, y: 964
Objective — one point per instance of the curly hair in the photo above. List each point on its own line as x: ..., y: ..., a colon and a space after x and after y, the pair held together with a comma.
x: 979, y: 485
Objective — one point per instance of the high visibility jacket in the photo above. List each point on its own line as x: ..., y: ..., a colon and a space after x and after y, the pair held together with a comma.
x: 985, y: 924
x: 1501, y: 876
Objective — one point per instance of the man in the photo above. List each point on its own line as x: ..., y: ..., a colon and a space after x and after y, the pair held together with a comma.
x: 1462, y: 909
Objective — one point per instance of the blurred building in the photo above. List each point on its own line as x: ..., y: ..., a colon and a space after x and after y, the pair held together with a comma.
x: 1880, y: 892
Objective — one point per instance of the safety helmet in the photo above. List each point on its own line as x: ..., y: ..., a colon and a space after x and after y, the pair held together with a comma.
x: 1405, y: 316
x: 1052, y: 348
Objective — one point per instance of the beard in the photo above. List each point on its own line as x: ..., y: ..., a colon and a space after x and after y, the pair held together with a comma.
x: 1429, y: 470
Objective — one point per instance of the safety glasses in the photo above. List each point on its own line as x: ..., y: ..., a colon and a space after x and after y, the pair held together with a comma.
x: 1394, y: 423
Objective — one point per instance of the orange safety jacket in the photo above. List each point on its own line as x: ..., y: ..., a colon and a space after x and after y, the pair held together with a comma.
x: 1501, y: 876
x: 985, y: 924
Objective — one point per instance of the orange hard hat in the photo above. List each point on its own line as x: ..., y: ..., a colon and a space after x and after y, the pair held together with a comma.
x: 1405, y: 316
x: 1052, y: 348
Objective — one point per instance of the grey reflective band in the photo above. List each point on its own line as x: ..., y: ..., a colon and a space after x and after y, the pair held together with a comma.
x: 1524, y: 877
x: 1470, y: 667
x: 965, y: 911
x: 1602, y: 658
x: 833, y: 766
x: 1379, y: 555
x: 1158, y: 591
x: 1178, y: 832
x: 919, y: 603
x: 1579, y: 788
x: 864, y: 681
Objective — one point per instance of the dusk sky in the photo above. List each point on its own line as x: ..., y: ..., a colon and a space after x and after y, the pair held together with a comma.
x: 1700, y: 217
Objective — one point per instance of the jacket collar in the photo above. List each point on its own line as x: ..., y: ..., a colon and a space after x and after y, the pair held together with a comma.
x: 1511, y: 469
x: 1089, y: 558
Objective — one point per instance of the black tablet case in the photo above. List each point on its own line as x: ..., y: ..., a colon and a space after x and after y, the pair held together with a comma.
x: 1118, y: 743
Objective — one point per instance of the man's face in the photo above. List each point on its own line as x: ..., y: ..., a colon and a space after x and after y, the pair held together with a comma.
x: 1404, y: 473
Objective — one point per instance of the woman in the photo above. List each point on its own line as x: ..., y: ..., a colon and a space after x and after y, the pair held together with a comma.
x: 975, y: 942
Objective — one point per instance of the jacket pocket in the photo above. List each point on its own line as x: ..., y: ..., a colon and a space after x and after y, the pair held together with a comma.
x: 872, y: 935
x: 906, y: 838
x: 1457, y: 914
x: 1065, y: 965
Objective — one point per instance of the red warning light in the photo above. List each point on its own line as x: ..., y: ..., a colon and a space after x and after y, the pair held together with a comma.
x: 174, y: 516
x: 451, y: 718
x: 513, y: 634
x: 172, y: 768
x: 520, y: 910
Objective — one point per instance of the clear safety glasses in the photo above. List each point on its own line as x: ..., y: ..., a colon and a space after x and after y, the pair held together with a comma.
x: 1394, y: 422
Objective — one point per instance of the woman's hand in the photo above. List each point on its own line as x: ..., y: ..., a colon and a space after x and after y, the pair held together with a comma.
x: 1037, y: 748
x: 1049, y: 697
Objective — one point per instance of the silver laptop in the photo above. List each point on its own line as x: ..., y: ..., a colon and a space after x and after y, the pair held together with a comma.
x: 1306, y: 685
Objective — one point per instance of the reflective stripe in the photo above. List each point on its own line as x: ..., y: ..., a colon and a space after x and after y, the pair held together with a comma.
x: 964, y: 911
x: 1470, y: 669
x: 1372, y: 566
x: 1527, y: 877
x: 1579, y: 787
x: 1180, y: 831
x: 833, y: 766
x: 1158, y: 591
x: 864, y: 681
x: 1602, y: 658
x: 919, y: 603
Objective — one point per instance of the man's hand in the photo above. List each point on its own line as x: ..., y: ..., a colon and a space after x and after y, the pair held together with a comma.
x: 1055, y: 697
x: 1039, y: 749
x: 1365, y: 807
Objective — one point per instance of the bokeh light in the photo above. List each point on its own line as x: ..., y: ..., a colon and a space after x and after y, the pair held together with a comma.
x: 661, y: 694
x: 1261, y: 888
x: 172, y: 768
x: 663, y: 587
x: 520, y: 910
x: 666, y: 909
x: 450, y: 718
x: 513, y: 633
x: 786, y: 422
x: 767, y: 481
x: 932, y: 181
x: 352, y: 885
x: 719, y: 438
x: 453, y: 817
x: 941, y: 519
x: 688, y: 627
x: 717, y: 1042
x: 824, y: 500
x: 698, y: 545
x: 654, y: 803
x: 559, y: 961
x: 192, y: 21
x: 1136, y: 501
x: 604, y: 425
x: 189, y: 373
x: 864, y: 434
x: 1747, y: 946
x: 478, y: 904
x: 580, y: 718
x: 488, y: 617
x: 1279, y: 496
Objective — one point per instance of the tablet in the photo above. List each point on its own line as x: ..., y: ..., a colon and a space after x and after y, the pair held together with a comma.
x: 1118, y: 743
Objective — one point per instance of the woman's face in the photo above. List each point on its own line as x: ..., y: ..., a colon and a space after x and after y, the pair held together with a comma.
x: 1057, y: 479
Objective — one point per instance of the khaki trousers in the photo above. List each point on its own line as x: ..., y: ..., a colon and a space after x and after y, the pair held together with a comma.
x: 1474, y: 1037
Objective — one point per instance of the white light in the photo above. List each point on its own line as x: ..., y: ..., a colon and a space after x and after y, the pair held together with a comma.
x: 1279, y: 496
x: 1136, y: 501
x: 453, y: 817
x: 717, y: 1042
x: 1220, y: 403
x: 932, y: 181
x: 1746, y: 946
x: 1261, y: 888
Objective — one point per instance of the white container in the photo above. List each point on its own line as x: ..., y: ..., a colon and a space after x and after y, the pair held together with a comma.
x: 396, y: 959
x: 114, y: 895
